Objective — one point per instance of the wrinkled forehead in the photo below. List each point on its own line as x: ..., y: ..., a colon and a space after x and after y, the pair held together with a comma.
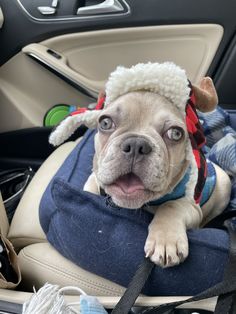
x: 145, y: 106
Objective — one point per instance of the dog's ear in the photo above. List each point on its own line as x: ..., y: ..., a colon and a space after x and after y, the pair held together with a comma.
x: 71, y: 123
x: 205, y: 94
x: 83, y: 116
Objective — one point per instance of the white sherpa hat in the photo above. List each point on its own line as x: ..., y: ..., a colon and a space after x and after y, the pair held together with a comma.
x: 166, y: 79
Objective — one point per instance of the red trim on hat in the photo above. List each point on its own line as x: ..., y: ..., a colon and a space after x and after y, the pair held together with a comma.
x: 99, y: 106
x: 197, y: 140
x: 191, y: 114
x: 191, y: 126
x: 79, y: 111
x: 100, y: 103
x: 197, y: 157
x: 197, y: 200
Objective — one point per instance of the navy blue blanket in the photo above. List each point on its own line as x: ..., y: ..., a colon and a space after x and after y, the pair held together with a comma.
x: 109, y: 242
x: 219, y: 128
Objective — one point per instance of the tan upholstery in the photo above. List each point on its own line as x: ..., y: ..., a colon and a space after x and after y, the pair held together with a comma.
x: 39, y: 261
x: 25, y: 227
x: 46, y: 264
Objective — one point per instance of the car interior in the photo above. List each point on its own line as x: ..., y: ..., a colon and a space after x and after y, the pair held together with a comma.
x: 60, y: 53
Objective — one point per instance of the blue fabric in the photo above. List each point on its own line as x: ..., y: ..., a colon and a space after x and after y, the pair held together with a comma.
x: 109, y: 242
x: 90, y: 305
x: 219, y: 127
x: 179, y: 190
x: 209, y: 184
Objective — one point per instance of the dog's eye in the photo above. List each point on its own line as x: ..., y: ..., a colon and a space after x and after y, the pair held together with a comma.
x: 106, y: 123
x: 175, y: 134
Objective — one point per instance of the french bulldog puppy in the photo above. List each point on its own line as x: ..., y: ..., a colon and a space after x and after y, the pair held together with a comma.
x: 142, y: 154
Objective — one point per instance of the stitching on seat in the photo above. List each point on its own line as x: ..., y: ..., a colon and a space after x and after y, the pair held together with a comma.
x: 89, y: 283
x: 85, y: 283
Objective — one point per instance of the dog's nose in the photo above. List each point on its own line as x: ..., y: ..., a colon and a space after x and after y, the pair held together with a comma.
x: 136, y: 147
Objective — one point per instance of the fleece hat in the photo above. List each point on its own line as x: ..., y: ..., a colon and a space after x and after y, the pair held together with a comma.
x: 165, y: 79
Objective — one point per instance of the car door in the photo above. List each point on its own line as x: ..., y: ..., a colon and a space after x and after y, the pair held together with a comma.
x: 60, y: 52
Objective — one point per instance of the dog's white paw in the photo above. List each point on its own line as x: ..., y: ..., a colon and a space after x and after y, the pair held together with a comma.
x: 166, y: 249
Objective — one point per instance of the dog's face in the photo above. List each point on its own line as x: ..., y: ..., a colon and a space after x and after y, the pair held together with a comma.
x: 140, y: 148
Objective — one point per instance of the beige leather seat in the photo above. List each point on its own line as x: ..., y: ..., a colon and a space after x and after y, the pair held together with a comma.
x: 39, y: 261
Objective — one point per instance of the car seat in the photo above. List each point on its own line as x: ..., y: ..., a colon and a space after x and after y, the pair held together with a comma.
x: 40, y: 262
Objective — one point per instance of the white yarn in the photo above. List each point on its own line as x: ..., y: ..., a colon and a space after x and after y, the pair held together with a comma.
x: 43, y: 301
x: 69, y: 125
x: 165, y: 79
x: 50, y: 300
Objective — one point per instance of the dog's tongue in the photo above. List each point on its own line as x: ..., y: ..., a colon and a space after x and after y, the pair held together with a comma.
x: 130, y: 183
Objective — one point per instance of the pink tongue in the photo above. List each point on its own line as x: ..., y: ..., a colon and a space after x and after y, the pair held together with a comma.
x: 130, y: 183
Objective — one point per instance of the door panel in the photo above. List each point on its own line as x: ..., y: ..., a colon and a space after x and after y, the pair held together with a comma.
x: 191, y: 46
x: 27, y: 100
x: 27, y: 91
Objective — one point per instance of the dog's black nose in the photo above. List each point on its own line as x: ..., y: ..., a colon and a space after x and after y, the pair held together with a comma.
x: 136, y: 147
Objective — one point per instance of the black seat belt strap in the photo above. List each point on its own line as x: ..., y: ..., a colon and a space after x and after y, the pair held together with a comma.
x: 226, y: 290
x: 132, y: 292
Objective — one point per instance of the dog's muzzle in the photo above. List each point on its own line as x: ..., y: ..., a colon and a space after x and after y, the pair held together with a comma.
x: 135, y: 148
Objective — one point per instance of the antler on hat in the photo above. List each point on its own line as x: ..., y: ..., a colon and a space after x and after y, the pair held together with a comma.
x: 205, y: 94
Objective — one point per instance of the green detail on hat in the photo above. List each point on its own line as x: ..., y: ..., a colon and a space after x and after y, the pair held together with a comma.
x: 56, y: 114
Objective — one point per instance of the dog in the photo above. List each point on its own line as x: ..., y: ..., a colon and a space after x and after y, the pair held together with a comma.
x: 143, y: 153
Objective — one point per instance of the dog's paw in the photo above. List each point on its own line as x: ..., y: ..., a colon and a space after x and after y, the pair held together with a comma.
x: 166, y: 249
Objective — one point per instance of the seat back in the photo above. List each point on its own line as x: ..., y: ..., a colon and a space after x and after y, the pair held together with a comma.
x: 25, y: 228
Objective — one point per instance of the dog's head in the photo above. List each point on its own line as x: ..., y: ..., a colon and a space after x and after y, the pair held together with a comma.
x: 142, y: 145
x: 140, y: 148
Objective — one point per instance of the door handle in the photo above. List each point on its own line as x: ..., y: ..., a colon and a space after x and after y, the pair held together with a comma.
x: 107, y: 6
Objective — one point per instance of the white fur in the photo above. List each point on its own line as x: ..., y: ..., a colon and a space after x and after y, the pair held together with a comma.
x: 165, y: 79
x: 68, y: 126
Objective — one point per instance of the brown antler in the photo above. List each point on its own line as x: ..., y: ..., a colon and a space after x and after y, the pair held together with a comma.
x: 101, y: 94
x: 205, y: 94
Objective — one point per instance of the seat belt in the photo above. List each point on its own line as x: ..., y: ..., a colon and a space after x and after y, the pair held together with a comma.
x: 225, y: 290
x: 132, y: 292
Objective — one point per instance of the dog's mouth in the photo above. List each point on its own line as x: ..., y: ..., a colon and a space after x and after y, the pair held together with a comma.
x: 129, y: 191
x: 129, y: 183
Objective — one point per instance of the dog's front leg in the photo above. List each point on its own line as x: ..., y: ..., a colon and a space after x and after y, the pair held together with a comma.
x: 167, y: 242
